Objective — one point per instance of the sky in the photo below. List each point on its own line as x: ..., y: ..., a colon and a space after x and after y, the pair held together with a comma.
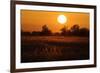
x: 33, y: 20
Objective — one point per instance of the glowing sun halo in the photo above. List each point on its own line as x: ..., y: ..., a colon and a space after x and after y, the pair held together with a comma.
x: 62, y: 19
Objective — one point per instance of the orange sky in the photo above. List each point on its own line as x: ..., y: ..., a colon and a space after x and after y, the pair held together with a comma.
x: 34, y: 20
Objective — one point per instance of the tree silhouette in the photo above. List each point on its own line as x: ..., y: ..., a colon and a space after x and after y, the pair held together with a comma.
x: 63, y: 31
x: 45, y: 30
x: 75, y: 29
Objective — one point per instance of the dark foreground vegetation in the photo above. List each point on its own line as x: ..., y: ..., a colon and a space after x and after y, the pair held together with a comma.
x: 39, y: 46
x: 50, y: 48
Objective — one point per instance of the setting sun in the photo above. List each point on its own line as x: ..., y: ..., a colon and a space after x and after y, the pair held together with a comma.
x: 62, y: 19
x: 34, y: 20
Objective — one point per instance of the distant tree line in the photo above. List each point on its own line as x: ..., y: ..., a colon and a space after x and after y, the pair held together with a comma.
x: 75, y: 30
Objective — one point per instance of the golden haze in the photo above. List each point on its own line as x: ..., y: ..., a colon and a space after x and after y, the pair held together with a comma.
x: 32, y: 20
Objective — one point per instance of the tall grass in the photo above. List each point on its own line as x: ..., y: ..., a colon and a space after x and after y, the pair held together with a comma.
x: 37, y: 49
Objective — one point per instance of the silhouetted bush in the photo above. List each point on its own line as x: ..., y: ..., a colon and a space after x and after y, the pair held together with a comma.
x: 84, y: 32
x: 56, y: 34
x: 36, y: 33
x: 25, y: 33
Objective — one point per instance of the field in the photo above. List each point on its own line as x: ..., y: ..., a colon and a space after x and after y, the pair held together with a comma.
x: 54, y: 48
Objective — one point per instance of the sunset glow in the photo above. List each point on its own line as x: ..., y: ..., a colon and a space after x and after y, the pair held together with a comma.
x: 33, y: 20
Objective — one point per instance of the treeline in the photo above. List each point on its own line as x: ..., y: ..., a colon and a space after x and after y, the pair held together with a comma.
x: 75, y: 30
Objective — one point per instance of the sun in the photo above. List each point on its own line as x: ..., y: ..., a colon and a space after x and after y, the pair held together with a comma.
x: 62, y: 19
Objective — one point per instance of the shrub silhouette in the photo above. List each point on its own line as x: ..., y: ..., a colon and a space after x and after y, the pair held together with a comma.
x: 25, y: 33
x: 36, y: 33
x: 84, y: 32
